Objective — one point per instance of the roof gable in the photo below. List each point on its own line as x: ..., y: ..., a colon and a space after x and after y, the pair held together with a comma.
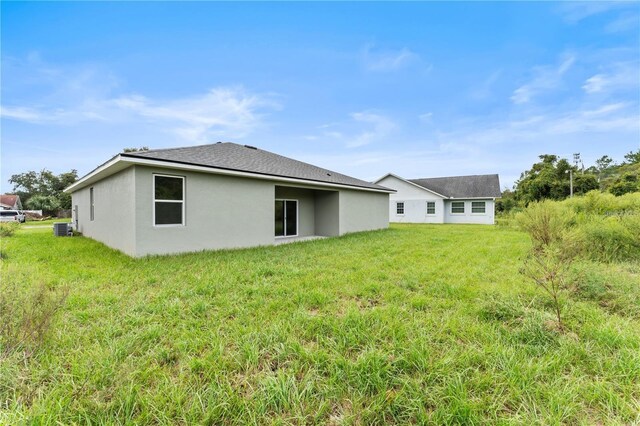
x: 408, y: 185
x: 10, y: 200
x: 475, y: 186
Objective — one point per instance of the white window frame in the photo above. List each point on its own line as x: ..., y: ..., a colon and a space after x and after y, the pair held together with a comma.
x: 476, y: 213
x: 464, y: 208
x: 285, y: 218
x: 434, y: 208
x: 397, y: 205
x: 92, y: 204
x: 153, y: 202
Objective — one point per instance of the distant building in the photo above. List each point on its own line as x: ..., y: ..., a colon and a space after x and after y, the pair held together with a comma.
x: 10, y: 202
x: 454, y: 199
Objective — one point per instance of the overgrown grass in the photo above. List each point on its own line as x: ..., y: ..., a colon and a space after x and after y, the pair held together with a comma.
x: 415, y: 324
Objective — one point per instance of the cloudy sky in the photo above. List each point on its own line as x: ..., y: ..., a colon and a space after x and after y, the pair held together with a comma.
x: 418, y: 89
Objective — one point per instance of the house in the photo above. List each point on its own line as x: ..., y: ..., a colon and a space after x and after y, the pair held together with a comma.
x: 454, y: 199
x: 10, y: 202
x: 221, y: 195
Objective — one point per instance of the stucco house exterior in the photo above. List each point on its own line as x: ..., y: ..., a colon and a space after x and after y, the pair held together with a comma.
x: 454, y: 199
x: 215, y: 196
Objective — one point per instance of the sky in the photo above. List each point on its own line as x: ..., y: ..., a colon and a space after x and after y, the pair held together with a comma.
x: 416, y: 89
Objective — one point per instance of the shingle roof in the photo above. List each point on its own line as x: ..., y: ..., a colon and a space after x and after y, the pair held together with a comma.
x: 9, y: 199
x: 476, y: 186
x: 231, y: 156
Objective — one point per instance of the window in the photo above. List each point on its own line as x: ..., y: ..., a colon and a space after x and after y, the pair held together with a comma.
x: 478, y: 207
x: 91, y: 204
x: 431, y: 207
x: 286, y: 218
x: 399, y: 208
x: 168, y: 200
x: 457, y: 207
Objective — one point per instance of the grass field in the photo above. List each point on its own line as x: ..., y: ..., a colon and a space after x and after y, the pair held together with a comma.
x: 415, y: 324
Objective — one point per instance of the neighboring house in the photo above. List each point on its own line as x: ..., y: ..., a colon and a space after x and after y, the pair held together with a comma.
x: 10, y: 202
x: 455, y: 199
x: 215, y: 196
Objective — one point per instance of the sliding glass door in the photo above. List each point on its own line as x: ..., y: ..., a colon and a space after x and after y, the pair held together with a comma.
x: 286, y: 218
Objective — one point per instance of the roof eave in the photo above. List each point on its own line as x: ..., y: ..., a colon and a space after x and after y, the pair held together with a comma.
x: 122, y: 161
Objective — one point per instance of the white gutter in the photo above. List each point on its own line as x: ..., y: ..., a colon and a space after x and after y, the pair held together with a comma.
x: 103, y: 171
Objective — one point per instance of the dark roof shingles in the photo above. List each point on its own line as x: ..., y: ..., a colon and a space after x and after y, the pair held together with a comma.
x: 476, y: 186
x: 231, y: 156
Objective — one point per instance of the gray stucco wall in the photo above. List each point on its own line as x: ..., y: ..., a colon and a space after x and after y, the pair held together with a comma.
x: 363, y: 211
x: 486, y: 218
x: 327, y: 213
x: 306, y: 208
x: 221, y: 212
x: 114, y: 204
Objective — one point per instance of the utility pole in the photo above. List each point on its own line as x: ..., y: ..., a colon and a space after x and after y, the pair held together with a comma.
x: 570, y: 182
x: 577, y: 161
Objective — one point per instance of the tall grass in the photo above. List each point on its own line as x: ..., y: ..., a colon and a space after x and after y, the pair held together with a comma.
x: 418, y: 324
x: 604, y: 227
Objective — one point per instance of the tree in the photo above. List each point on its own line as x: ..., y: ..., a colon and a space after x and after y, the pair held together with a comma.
x: 548, y: 179
x: 142, y: 148
x: 507, y: 202
x: 553, y: 250
x: 47, y: 186
x: 626, y: 183
x: 632, y: 157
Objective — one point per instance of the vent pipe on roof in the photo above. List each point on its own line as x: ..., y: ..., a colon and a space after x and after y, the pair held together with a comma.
x: 250, y: 147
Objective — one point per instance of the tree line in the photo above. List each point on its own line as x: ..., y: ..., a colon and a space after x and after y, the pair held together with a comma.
x: 549, y: 179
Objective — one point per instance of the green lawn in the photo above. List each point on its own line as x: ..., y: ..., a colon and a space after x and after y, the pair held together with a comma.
x: 46, y: 222
x: 415, y: 324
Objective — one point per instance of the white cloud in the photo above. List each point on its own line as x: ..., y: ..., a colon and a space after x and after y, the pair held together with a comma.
x: 380, y: 127
x: 574, y: 12
x: 222, y: 111
x: 625, y: 22
x: 619, y: 76
x: 545, y: 78
x: 484, y: 89
x: 426, y: 117
x: 387, y: 60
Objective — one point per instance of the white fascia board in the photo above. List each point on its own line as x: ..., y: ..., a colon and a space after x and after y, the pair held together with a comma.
x: 410, y: 183
x: 473, y: 198
x: 120, y: 163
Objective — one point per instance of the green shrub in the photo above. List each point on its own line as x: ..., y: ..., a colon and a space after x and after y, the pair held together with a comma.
x: 547, y: 222
x: 7, y: 229
x: 610, y: 238
x: 596, y: 202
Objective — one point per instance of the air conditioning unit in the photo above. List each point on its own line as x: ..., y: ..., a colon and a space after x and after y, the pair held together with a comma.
x: 61, y: 229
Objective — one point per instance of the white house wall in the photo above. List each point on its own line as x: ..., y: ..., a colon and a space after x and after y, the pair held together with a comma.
x: 486, y: 218
x: 415, y: 202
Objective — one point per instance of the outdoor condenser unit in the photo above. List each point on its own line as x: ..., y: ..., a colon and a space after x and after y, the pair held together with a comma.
x: 61, y: 229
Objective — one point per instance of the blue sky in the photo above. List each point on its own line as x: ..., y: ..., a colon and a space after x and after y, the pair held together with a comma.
x: 418, y: 89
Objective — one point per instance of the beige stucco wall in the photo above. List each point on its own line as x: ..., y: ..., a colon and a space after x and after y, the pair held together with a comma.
x: 114, y: 204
